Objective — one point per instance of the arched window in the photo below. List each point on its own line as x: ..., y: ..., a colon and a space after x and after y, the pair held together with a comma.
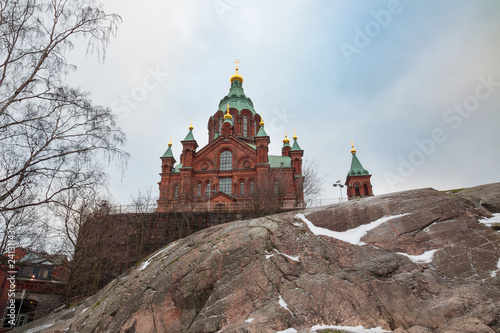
x: 226, y: 160
x: 220, y: 124
x: 198, y: 190
x: 252, y: 187
x: 242, y: 188
x: 245, y: 126
x: 365, y: 189
x: 356, y: 190
x: 208, y: 189
x: 276, y: 187
x: 176, y: 191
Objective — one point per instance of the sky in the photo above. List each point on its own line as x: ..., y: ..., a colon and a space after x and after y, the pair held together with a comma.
x: 414, y: 84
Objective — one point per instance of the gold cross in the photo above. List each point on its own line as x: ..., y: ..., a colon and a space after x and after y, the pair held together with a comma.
x: 352, y: 144
x: 237, y: 62
x: 228, y: 108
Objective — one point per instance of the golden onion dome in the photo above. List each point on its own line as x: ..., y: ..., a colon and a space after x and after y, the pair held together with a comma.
x: 286, y: 141
x: 353, y: 151
x: 236, y: 77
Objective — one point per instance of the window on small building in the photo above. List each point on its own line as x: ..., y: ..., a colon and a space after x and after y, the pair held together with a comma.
x: 242, y: 188
x: 356, y: 190
x: 245, y: 126
x: 176, y: 191
x: 225, y: 185
x: 252, y: 187
x: 365, y: 189
x: 226, y: 160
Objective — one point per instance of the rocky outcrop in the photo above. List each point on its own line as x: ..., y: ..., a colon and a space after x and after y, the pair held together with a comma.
x: 487, y: 196
x: 415, y: 261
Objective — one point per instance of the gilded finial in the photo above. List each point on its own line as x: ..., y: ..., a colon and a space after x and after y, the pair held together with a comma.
x: 191, y: 126
x: 170, y: 143
x: 261, y: 121
x: 294, y: 135
x: 352, y: 146
x: 227, y: 115
x: 286, y: 141
x: 236, y: 76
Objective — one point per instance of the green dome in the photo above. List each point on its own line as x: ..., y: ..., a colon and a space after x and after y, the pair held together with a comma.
x: 236, y: 98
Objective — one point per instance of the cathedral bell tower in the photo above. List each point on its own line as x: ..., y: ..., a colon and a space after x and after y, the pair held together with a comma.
x: 358, y: 179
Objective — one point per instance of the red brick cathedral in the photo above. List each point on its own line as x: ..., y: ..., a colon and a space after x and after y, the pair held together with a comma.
x: 234, y: 170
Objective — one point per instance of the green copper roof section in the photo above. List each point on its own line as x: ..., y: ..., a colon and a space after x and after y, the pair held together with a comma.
x: 229, y: 120
x: 168, y: 153
x: 356, y: 167
x: 280, y: 161
x: 176, y: 168
x: 295, y: 145
x: 261, y: 131
x: 189, y: 136
x: 236, y: 99
x: 286, y: 144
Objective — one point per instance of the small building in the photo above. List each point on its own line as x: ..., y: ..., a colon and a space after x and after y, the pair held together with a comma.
x: 234, y: 171
x: 358, y: 179
x: 36, y: 284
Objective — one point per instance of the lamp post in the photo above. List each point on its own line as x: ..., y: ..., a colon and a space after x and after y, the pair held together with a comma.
x: 209, y: 190
x: 337, y: 183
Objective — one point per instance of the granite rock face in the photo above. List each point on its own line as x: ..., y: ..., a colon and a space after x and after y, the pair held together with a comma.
x: 425, y: 264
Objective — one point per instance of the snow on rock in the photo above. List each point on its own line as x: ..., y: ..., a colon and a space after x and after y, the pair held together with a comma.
x: 147, y: 262
x: 294, y: 258
x: 352, y: 236
x: 249, y: 320
x: 356, y: 329
x: 424, y: 258
x: 491, y: 221
x: 494, y: 273
x: 351, y: 329
x: 288, y: 330
x: 284, y: 305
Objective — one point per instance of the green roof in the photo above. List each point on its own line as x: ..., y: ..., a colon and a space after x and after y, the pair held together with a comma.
x: 280, y: 161
x: 356, y: 167
x: 189, y: 136
x: 261, y: 131
x: 236, y: 99
x: 176, y: 168
x: 168, y: 153
x: 295, y: 145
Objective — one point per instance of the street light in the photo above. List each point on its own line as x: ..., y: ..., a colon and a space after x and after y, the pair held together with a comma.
x: 337, y: 183
x: 209, y: 192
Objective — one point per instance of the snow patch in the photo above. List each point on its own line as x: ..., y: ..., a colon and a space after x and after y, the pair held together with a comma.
x: 424, y: 258
x: 284, y: 305
x: 39, y: 328
x: 294, y: 258
x: 249, y: 320
x: 494, y: 273
x: 352, y: 236
x: 288, y: 330
x: 353, y: 329
x: 491, y: 221
x: 147, y: 262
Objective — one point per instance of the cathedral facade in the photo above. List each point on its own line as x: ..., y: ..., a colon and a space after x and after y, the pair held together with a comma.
x: 234, y: 170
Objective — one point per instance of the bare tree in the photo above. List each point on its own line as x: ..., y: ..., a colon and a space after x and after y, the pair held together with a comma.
x: 53, y: 139
x: 312, y: 181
